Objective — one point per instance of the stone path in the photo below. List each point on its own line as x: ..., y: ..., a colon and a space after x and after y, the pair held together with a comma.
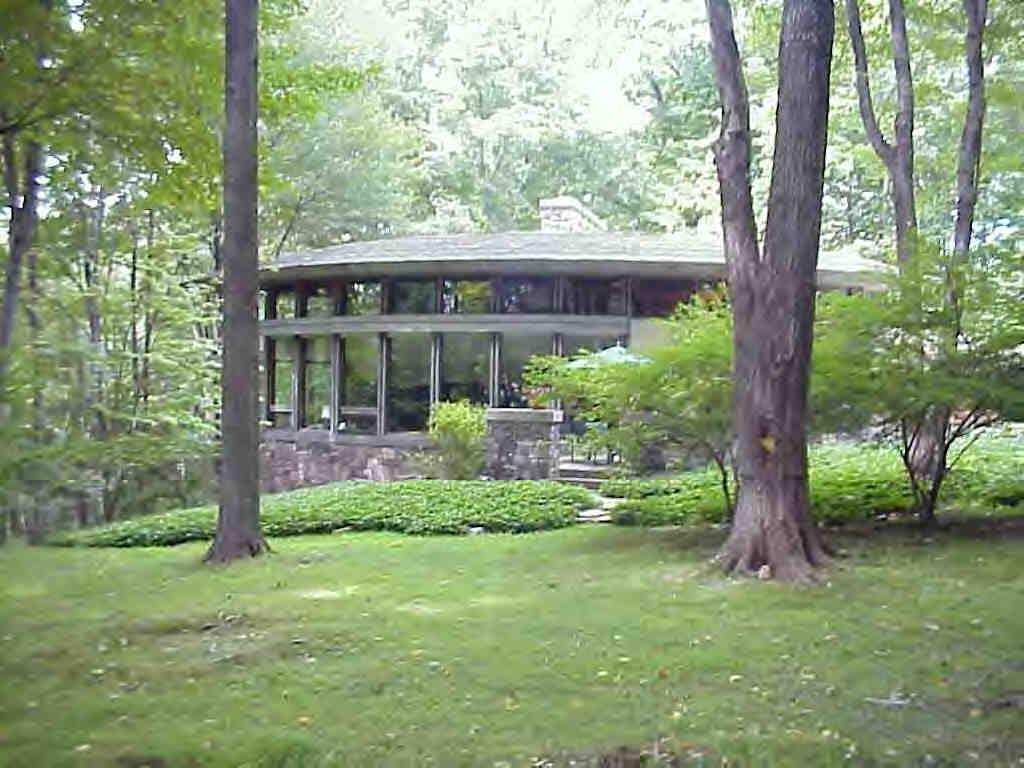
x: 599, y: 514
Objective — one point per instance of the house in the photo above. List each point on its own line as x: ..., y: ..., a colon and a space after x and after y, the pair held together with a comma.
x: 360, y: 339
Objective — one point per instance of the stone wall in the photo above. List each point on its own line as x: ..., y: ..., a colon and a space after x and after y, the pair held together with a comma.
x: 293, y: 461
x: 522, y: 444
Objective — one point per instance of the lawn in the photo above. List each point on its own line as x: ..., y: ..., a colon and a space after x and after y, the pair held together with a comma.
x: 368, y: 648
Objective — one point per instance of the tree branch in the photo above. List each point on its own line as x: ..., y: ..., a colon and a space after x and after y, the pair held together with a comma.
x: 10, y: 172
x: 904, y: 124
x: 867, y: 109
x: 969, y: 160
x: 732, y: 149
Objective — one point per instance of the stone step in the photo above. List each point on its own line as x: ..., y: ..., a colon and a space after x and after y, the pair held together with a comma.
x: 584, y: 469
x: 594, y: 516
x: 592, y: 483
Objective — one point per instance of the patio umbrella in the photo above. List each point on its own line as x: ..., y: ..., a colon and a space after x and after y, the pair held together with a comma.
x: 616, y: 355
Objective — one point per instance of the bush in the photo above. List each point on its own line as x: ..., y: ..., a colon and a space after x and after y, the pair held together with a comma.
x: 848, y: 482
x: 991, y: 472
x: 855, y: 482
x: 413, y: 506
x: 457, y: 431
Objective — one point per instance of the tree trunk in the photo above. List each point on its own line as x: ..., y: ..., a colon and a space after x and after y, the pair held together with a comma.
x: 773, y: 293
x: 969, y: 156
x: 238, y: 524
x: 24, y: 219
x: 898, y: 157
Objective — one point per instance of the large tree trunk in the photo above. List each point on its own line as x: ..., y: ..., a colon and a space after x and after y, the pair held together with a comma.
x: 238, y: 524
x: 773, y: 292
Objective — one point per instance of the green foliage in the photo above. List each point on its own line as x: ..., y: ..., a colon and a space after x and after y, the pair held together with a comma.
x: 989, y: 472
x: 415, y: 506
x: 457, y: 431
x: 110, y: 404
x: 679, y: 395
x: 691, y: 498
x: 855, y: 482
x: 930, y: 362
x: 848, y: 483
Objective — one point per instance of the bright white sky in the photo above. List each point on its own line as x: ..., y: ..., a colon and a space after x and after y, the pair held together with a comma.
x: 604, y: 43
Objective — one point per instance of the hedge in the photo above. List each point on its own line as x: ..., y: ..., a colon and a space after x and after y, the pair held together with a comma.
x: 848, y: 482
x: 413, y: 506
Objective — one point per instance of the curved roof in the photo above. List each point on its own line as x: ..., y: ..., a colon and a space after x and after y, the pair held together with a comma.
x: 599, y: 254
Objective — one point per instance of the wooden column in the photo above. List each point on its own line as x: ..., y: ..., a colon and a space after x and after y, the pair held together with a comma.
x: 383, y: 352
x: 494, y: 384
x: 561, y: 288
x: 439, y: 295
x: 269, y: 376
x: 436, y: 352
x: 270, y: 355
x: 298, y: 416
x: 338, y: 297
x: 337, y: 371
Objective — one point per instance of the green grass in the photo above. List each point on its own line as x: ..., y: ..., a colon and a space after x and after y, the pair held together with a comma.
x: 381, y: 649
x: 414, y: 506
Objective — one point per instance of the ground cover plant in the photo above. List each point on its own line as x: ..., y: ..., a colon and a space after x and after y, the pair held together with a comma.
x: 413, y: 506
x: 848, y: 482
x: 382, y: 649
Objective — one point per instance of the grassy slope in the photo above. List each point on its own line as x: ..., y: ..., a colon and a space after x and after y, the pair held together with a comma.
x: 378, y: 649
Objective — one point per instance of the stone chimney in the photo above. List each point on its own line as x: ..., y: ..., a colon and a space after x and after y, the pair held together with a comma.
x: 567, y: 214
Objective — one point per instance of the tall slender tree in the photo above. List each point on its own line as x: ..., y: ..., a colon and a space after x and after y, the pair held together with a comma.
x: 927, y: 436
x: 898, y: 154
x: 238, y: 523
x: 773, y: 288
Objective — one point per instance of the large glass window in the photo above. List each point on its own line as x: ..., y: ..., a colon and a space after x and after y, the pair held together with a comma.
x: 659, y: 298
x: 467, y: 297
x: 526, y: 295
x: 412, y: 297
x: 515, y: 351
x: 284, y: 305
x: 318, y: 383
x: 408, y: 380
x: 595, y: 297
x: 281, y: 408
x: 319, y: 302
x: 362, y: 298
x: 465, y: 366
x: 357, y: 395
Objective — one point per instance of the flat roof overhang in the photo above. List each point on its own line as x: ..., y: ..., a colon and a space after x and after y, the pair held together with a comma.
x: 828, y: 279
x: 600, y: 255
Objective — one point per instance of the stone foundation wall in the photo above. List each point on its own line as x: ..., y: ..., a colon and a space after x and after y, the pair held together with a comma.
x: 522, y: 444
x: 287, y: 463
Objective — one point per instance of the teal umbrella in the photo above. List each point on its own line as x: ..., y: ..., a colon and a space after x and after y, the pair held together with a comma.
x: 617, y: 355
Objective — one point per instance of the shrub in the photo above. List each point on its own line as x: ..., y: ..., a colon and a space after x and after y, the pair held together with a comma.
x: 848, y: 482
x: 854, y: 482
x: 701, y: 503
x: 990, y: 472
x: 457, y: 431
x: 413, y: 506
